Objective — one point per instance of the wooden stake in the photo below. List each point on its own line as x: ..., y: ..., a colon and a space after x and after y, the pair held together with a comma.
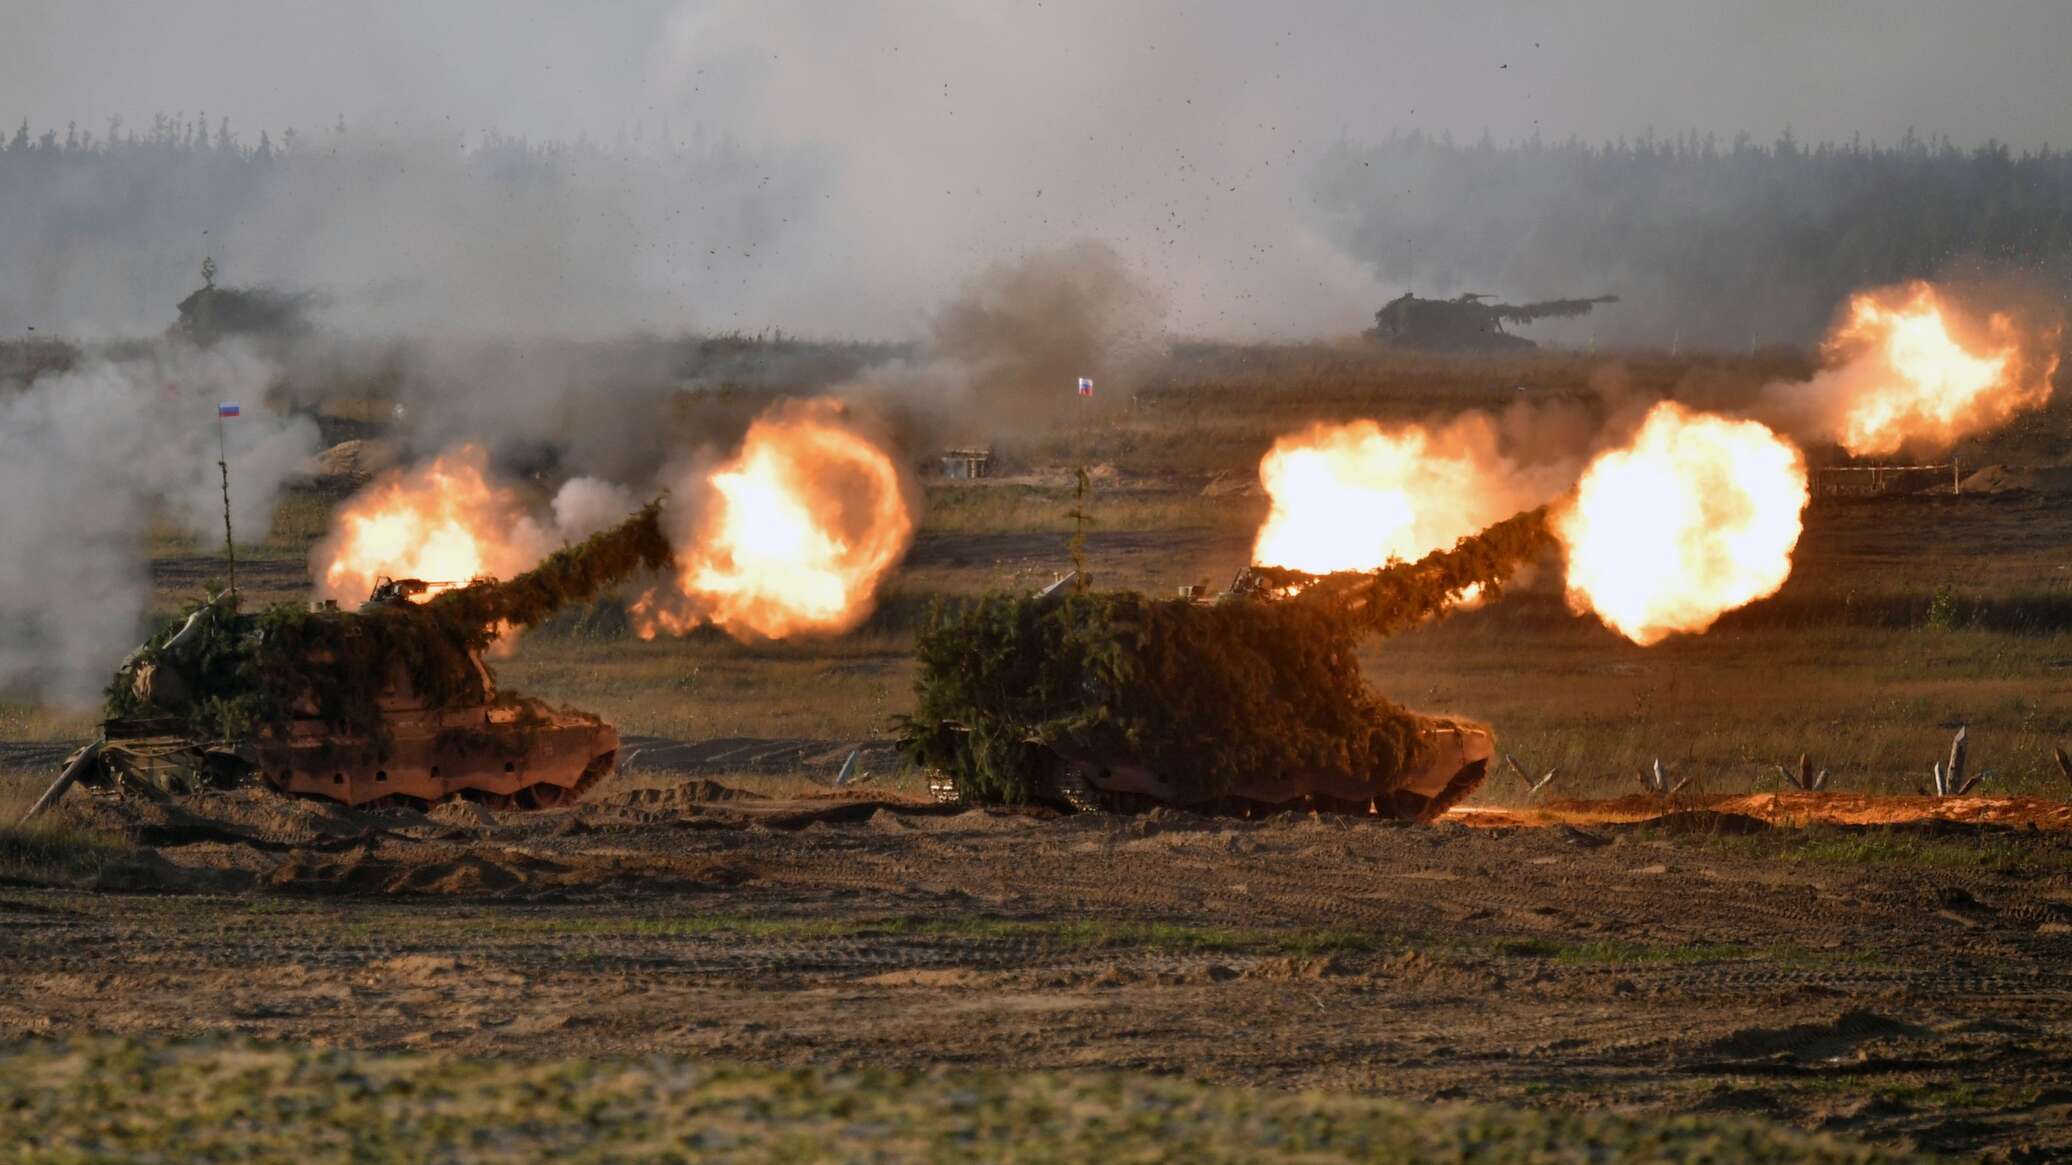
x: 229, y: 544
x: 87, y: 756
x: 1953, y: 773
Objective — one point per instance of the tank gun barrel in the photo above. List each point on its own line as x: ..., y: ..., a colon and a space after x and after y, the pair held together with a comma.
x: 1525, y: 313
x: 573, y: 574
x: 1387, y: 600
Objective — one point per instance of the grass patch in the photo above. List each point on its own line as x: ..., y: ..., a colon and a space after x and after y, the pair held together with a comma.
x: 1885, y: 847
x: 53, y: 855
x: 1045, y: 509
x: 106, y: 1100
x: 1609, y: 953
x: 1914, y: 849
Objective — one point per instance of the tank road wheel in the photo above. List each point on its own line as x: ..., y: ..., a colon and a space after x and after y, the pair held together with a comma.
x: 494, y: 802
x: 1324, y: 803
x: 537, y: 797
x: 399, y: 801
x: 1069, y: 788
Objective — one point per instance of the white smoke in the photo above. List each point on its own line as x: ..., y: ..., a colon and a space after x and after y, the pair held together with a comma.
x: 585, y: 505
x: 960, y: 136
x: 90, y: 460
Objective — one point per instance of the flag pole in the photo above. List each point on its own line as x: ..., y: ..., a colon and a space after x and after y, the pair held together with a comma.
x: 223, y: 465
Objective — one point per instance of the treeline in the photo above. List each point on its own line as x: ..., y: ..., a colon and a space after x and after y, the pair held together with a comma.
x: 177, y: 135
x: 1710, y: 243
x: 396, y: 228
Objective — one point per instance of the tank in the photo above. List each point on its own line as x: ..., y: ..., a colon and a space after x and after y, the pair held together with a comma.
x: 1466, y: 323
x: 1245, y: 704
x: 211, y: 313
x: 391, y: 703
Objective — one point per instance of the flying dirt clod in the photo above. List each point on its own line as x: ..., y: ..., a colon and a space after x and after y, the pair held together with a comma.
x: 391, y: 703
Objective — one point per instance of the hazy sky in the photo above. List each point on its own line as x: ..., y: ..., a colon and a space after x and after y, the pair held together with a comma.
x: 1592, y: 67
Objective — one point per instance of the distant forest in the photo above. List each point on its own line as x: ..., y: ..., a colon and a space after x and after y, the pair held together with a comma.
x: 1710, y: 243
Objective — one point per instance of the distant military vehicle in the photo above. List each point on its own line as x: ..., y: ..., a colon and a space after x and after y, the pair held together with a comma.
x: 213, y: 312
x: 1466, y: 323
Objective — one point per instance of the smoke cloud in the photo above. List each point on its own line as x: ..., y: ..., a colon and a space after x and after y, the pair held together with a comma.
x: 89, y: 459
x: 1004, y: 356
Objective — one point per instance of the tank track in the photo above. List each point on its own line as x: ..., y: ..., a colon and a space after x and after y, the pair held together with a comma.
x: 1069, y: 791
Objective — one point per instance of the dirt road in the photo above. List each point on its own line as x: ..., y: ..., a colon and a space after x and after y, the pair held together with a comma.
x: 1910, y: 986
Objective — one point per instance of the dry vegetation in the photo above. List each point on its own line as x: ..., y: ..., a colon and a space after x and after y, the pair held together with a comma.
x: 225, y: 1101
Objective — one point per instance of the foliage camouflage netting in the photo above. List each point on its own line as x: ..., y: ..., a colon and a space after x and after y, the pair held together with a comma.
x: 573, y: 574
x: 1201, y: 694
x: 238, y: 674
x: 1385, y: 601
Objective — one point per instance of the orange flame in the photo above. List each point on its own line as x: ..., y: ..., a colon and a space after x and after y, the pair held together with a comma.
x: 793, y: 535
x: 1695, y: 516
x: 1911, y: 368
x: 445, y: 521
x: 1357, y: 496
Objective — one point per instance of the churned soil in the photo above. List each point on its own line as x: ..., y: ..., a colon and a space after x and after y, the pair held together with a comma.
x: 1906, y: 984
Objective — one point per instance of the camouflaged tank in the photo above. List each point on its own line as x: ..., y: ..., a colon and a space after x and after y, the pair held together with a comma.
x: 1250, y: 703
x: 391, y: 703
x: 1466, y: 323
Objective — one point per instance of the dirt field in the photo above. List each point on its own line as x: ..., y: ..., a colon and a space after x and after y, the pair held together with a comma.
x: 1908, y: 985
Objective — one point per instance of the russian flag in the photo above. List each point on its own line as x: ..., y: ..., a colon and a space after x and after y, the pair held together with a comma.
x: 1086, y: 386
x: 227, y: 409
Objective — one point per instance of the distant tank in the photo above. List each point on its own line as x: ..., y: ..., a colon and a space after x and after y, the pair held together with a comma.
x: 1245, y: 704
x: 388, y: 704
x: 1466, y: 323
x: 212, y: 313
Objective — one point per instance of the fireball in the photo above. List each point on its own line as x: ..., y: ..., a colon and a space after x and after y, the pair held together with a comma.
x: 791, y: 536
x: 1908, y: 368
x: 1358, y: 496
x: 1697, y: 515
x: 445, y: 522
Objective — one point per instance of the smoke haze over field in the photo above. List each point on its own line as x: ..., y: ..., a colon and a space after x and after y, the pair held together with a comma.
x: 842, y: 170
x: 88, y: 458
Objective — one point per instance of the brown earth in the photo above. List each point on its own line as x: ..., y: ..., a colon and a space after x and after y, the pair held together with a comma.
x: 1912, y: 986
